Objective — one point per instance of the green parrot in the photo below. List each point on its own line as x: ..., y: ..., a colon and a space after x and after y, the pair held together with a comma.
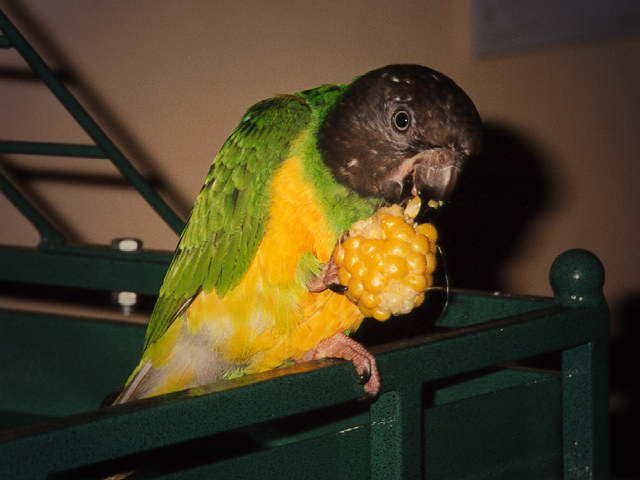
x: 251, y: 285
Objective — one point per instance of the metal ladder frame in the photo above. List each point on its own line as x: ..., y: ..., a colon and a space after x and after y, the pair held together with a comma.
x: 55, y: 261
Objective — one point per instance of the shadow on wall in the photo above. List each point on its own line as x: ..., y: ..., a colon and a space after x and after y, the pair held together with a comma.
x: 501, y: 193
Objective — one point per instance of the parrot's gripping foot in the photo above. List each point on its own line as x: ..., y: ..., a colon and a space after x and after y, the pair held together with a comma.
x: 341, y: 346
x: 327, y: 278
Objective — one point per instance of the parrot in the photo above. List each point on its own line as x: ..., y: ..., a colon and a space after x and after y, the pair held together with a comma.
x: 252, y: 285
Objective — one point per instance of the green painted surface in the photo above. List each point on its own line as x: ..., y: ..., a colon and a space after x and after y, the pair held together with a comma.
x: 56, y: 366
x: 513, y: 432
x: 51, y: 149
x: 468, y: 308
x: 481, y: 421
x: 96, y: 268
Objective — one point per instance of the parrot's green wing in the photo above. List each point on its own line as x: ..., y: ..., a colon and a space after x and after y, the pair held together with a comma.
x: 229, y: 216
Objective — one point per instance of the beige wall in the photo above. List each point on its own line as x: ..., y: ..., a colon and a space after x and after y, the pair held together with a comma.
x: 169, y: 80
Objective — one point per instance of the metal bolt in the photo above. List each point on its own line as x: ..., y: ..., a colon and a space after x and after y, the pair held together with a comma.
x: 126, y: 244
x: 125, y: 299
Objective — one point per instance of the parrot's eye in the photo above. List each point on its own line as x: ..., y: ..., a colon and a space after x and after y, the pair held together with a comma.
x: 401, y: 120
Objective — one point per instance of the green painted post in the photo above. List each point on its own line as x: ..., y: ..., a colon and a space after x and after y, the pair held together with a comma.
x: 397, y: 449
x: 577, y: 277
x: 585, y: 434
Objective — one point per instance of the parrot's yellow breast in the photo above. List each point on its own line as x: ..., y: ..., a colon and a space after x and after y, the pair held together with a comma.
x: 270, y: 316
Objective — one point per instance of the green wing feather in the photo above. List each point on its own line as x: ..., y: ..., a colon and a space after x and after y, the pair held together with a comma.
x: 229, y: 216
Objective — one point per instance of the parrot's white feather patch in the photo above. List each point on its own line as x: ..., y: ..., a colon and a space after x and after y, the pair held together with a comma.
x: 128, y: 392
x: 194, y: 356
x: 197, y: 353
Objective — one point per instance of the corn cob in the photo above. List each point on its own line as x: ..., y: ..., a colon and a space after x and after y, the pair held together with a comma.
x: 386, y: 261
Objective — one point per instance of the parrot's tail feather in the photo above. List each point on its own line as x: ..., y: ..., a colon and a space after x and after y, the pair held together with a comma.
x: 130, y: 390
x: 110, y: 398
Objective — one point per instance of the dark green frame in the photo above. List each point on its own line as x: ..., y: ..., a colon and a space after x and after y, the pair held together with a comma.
x: 452, y: 403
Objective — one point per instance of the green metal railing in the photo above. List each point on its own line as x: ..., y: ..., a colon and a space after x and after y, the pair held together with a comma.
x: 451, y: 407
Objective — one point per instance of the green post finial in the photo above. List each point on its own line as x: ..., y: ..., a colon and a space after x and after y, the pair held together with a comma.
x: 577, y: 277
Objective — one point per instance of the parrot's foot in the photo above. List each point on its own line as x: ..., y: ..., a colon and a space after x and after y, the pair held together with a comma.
x: 341, y: 346
x: 327, y: 278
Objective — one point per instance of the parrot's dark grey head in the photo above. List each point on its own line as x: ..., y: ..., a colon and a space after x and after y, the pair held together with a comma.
x: 400, y: 130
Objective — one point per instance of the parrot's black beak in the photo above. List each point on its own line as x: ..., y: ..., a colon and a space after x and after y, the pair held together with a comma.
x: 435, y: 173
x: 431, y: 174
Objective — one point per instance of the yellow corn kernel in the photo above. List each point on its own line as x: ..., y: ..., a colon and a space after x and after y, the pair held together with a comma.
x: 389, y: 222
x: 416, y: 262
x: 416, y: 282
x: 431, y: 263
x: 352, y: 244
x: 380, y: 314
x: 429, y: 231
x: 367, y: 312
x: 420, y: 244
x: 413, y: 208
x: 375, y: 261
x: 359, y: 271
x: 398, y: 248
x: 374, y: 281
x: 371, y: 246
x: 356, y: 288
x: 344, y: 276
x: 402, y: 231
x: 369, y: 300
x: 351, y: 259
x: 395, y: 267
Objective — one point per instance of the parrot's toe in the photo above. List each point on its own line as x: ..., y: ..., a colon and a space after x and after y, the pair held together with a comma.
x: 327, y: 278
x: 341, y: 346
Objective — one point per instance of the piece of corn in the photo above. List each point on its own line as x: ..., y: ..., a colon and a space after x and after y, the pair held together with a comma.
x: 386, y: 261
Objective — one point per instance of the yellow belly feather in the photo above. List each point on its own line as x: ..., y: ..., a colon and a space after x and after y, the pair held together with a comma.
x: 269, y: 317
x: 275, y: 318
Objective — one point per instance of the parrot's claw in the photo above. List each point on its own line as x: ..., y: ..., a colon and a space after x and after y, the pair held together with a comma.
x: 341, y: 346
x: 338, y: 288
x: 365, y: 376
